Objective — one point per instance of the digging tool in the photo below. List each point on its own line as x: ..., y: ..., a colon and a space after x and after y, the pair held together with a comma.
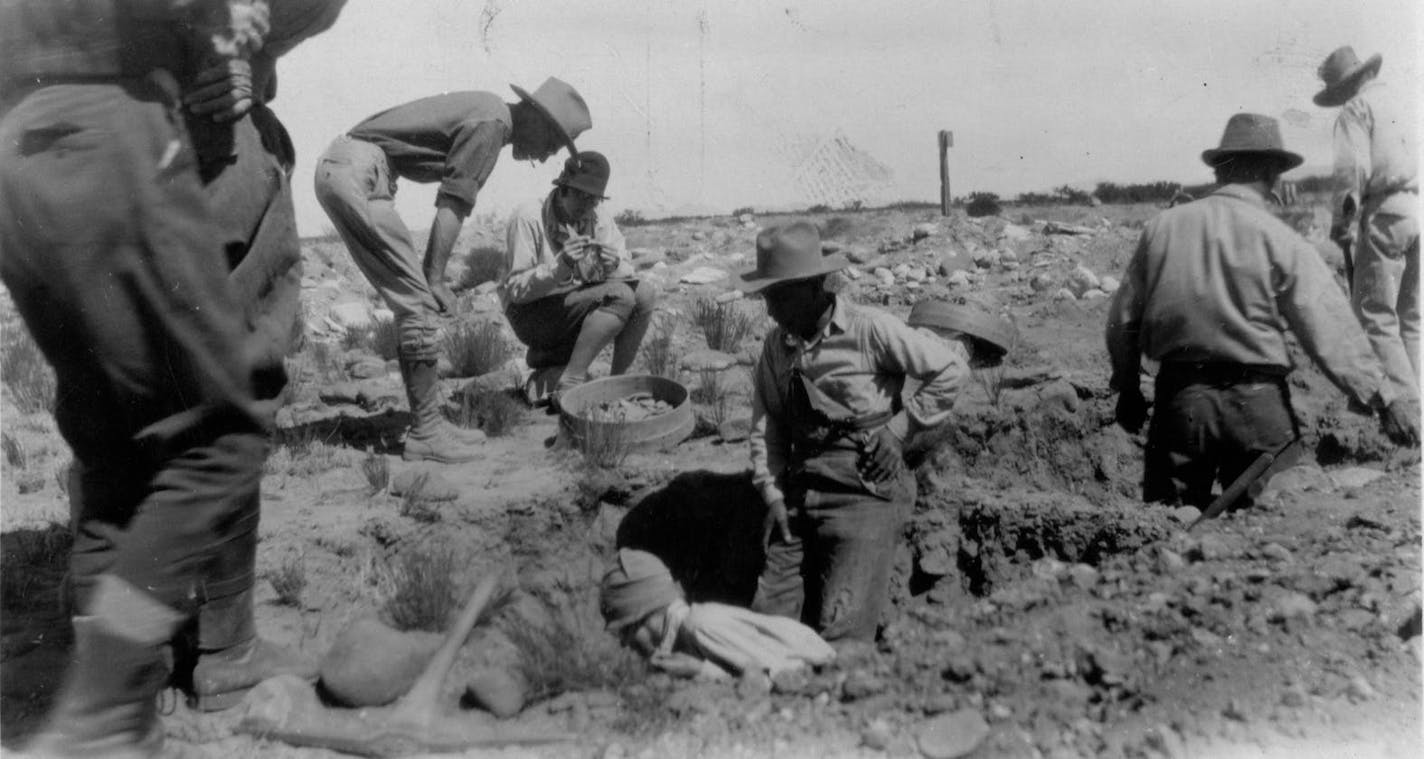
x: 1238, y: 486
x: 287, y: 709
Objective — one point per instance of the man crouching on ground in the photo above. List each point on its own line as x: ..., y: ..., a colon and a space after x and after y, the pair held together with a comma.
x: 827, y: 428
x: 570, y: 290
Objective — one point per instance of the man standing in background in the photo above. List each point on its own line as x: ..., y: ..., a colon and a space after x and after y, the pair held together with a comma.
x: 1375, y: 209
x: 453, y: 139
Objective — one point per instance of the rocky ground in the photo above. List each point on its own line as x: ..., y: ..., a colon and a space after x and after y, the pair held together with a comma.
x: 1041, y: 611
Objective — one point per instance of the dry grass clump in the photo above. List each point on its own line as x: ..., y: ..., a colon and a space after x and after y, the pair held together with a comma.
x: 605, y: 446
x: 496, y: 412
x: 27, y: 374
x: 415, y: 505
x: 289, y: 579
x: 725, y: 325
x: 659, y: 357
x: 377, y: 471
x: 423, y: 590
x: 476, y: 348
x: 558, y: 655
x: 713, y: 391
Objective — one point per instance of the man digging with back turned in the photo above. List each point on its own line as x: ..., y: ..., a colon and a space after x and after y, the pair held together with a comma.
x: 827, y: 428
x: 570, y: 290
x: 1209, y: 293
x: 453, y: 139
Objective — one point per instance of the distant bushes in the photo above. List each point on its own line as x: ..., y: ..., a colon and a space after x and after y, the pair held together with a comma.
x: 630, y: 218
x: 983, y: 204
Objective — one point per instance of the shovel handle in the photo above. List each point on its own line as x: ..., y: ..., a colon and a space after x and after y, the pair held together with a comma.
x: 1241, y: 483
x: 419, y: 702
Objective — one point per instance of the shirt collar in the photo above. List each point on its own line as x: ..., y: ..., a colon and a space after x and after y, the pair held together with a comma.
x: 839, y: 323
x: 1248, y: 194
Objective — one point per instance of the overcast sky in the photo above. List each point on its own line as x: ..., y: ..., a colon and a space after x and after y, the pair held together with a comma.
x: 707, y: 105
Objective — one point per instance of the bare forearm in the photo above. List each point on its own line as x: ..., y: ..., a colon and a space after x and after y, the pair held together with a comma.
x: 443, y: 233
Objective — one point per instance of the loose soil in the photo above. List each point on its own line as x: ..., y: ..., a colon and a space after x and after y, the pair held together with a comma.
x: 1032, y: 588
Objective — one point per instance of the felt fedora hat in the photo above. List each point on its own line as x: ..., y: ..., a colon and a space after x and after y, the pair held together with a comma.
x: 789, y: 252
x: 993, y: 334
x: 1252, y: 134
x: 1342, y: 73
x: 562, y: 106
x: 586, y: 171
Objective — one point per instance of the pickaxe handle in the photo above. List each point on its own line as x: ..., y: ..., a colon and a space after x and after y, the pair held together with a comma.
x: 1238, y: 486
x: 419, y: 704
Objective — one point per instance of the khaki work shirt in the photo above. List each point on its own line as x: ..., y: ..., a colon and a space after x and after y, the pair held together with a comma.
x: 860, y: 360
x: 1376, y: 156
x: 532, y: 244
x: 453, y: 139
x: 1220, y: 279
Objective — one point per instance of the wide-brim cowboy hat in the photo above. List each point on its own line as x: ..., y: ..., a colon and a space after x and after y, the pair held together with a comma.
x: 587, y: 171
x: 561, y: 104
x: 993, y: 335
x: 1342, y: 73
x: 1252, y: 134
x: 788, y: 253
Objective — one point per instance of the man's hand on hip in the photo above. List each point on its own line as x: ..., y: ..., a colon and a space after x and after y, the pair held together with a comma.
x: 880, y: 456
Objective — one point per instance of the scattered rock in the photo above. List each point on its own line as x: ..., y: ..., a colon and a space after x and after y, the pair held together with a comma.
x: 729, y: 296
x: 1082, y: 280
x: 1064, y: 294
x: 707, y: 360
x: 884, y: 276
x: 1041, y: 282
x: 958, y: 279
x: 921, y: 231
x: 371, y: 664
x: 1276, y: 552
x: 1109, y: 284
x: 497, y: 691
x: 860, y: 685
x: 951, y: 735
x: 1294, y: 696
x: 351, y: 314
x: 1359, y: 689
x: 703, y: 275
x: 1354, y: 477
x: 1059, y: 228
x: 877, y: 735
x: 860, y: 255
x: 1169, y: 561
x: 1014, y: 232
x: 1186, y: 514
x: 1292, y: 605
x: 367, y: 368
x: 1084, y: 576
x: 431, y: 485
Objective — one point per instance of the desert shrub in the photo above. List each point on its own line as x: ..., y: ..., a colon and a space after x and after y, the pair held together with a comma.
x: 742, y: 210
x: 819, y: 208
x: 723, y: 324
x: 377, y: 471
x: 358, y: 337
x: 385, y: 338
x: 15, y: 453
x: 415, y: 505
x: 308, y: 457
x: 713, y: 391
x: 983, y: 204
x: 629, y: 218
x: 658, y: 354
x: 497, y: 412
x: 423, y: 592
x: 558, y: 655
x: 835, y: 227
x: 475, y: 348
x: 484, y: 263
x: 27, y: 374
x: 605, y: 446
x: 853, y: 205
x: 33, y: 562
x: 289, y: 579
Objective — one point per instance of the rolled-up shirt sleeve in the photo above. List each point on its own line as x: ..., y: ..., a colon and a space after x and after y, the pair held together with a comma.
x: 1352, y: 165
x: 530, y: 277
x: 939, y: 370
x: 473, y: 154
x: 770, y: 443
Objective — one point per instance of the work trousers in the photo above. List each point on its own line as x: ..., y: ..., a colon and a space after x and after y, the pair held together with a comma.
x: 550, y: 326
x: 1385, y: 291
x: 355, y: 186
x: 108, y: 246
x: 1209, y: 427
x: 834, y: 575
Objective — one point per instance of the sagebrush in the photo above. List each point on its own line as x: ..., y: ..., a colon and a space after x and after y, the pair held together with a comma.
x: 423, y: 590
x: 476, y: 348
x: 724, y: 325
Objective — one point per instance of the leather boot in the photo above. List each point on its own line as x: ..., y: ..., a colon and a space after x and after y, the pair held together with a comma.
x: 431, y: 436
x: 108, y: 705
x: 231, y: 659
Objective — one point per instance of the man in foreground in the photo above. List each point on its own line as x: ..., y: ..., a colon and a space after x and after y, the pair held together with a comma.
x: 570, y: 289
x: 828, y: 424
x: 110, y: 249
x: 1375, y: 210
x: 453, y: 139
x: 1209, y: 293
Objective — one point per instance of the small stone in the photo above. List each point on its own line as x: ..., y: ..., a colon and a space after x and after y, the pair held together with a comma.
x: 1015, y: 232
x: 729, y: 296
x: 1164, y: 740
x: 1109, y: 284
x: 951, y: 735
x: 497, y: 691
x: 753, y: 684
x: 1354, y: 477
x: 921, y: 231
x: 861, y: 255
x: 861, y: 685
x: 1169, y: 561
x: 1081, y: 280
x: 1234, y: 711
x: 1292, y: 605
x: 1276, y: 552
x: 703, y: 275
x: 1000, y: 711
x: 707, y: 360
x: 1186, y: 514
x: 1084, y: 576
x: 431, y: 485
x: 1094, y: 294
x: 1359, y: 689
x: 791, y: 682
x: 877, y: 735
x: 959, y: 668
x: 367, y: 368
x: 886, y: 276
x: 1041, y: 283
x: 1063, y: 294
x: 1294, y: 697
x: 958, y: 279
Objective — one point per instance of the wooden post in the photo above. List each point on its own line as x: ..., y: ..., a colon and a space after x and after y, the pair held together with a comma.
x: 946, y: 141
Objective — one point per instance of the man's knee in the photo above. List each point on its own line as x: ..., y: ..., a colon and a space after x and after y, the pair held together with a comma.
x: 645, y: 297
x: 618, y: 298
x: 418, y: 337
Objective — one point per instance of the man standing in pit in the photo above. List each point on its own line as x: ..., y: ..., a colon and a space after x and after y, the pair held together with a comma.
x: 828, y: 426
x: 453, y: 139
x: 1209, y: 293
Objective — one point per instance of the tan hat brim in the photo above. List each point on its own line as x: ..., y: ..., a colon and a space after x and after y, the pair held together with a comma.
x: 751, y: 283
x: 549, y: 117
x: 1340, y: 92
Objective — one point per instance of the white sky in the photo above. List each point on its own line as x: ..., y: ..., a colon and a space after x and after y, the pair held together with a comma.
x: 698, y: 104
